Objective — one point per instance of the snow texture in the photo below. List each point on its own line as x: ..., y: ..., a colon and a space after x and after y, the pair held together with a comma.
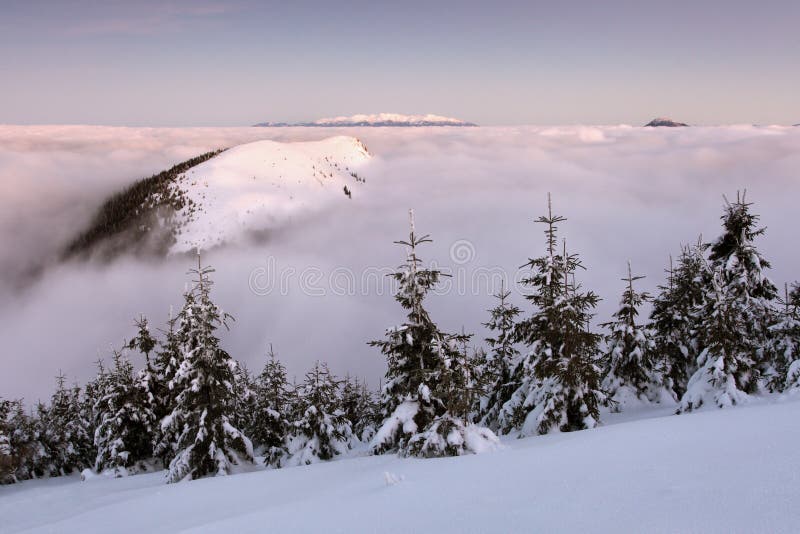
x: 262, y: 186
x: 601, y: 480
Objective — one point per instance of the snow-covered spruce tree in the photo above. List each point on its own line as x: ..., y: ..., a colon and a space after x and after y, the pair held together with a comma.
x: 206, y: 441
x: 786, y: 343
x: 16, y: 443
x: 17, y: 446
x: 27, y: 449
x: 167, y: 360
x: 675, y: 318
x: 322, y: 431
x: 736, y: 316
x: 244, y: 400
x: 501, y: 359
x: 420, y: 359
x: 453, y: 433
x: 8, y: 466
x: 93, y: 392
x: 359, y: 408
x: 64, y: 433
x: 149, y: 379
x: 124, y: 432
x: 558, y: 381
x: 632, y: 370
x: 272, y: 407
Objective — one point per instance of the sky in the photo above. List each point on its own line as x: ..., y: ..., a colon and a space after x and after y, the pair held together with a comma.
x: 216, y: 63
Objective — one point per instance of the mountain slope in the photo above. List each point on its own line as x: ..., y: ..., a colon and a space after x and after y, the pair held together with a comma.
x: 732, y: 470
x: 224, y: 196
x: 264, y: 185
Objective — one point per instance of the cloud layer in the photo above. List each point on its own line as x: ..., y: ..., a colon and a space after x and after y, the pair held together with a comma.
x: 628, y: 193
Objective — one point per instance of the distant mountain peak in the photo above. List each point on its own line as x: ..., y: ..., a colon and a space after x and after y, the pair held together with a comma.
x: 664, y: 121
x: 376, y: 119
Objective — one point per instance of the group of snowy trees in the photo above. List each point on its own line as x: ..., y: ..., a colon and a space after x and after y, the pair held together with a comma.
x: 718, y: 333
x: 191, y: 408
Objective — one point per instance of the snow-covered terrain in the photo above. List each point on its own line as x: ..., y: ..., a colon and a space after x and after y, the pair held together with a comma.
x: 733, y: 470
x: 378, y: 119
x: 263, y: 185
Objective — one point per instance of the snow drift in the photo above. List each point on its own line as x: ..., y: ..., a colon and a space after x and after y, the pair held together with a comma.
x: 717, y: 471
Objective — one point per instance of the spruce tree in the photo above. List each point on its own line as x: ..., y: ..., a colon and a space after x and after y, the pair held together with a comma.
x: 27, y: 449
x: 206, y: 442
x: 18, y: 448
x: 424, y: 366
x: 168, y: 357
x: 149, y: 378
x: 124, y: 432
x: 272, y: 409
x: 675, y: 318
x: 786, y: 343
x: 736, y: 316
x: 322, y: 431
x: 414, y: 354
x: 64, y: 432
x: 7, y: 461
x: 558, y: 380
x: 632, y: 370
x: 501, y: 359
x: 244, y: 400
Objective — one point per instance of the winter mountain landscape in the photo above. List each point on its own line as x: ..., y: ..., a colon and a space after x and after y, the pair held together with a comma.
x: 489, y: 293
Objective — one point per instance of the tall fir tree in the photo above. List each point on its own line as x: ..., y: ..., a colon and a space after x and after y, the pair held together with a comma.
x: 501, y: 359
x: 675, y: 318
x: 124, y: 434
x: 736, y: 316
x: 633, y: 373
x: 558, y: 380
x: 423, y: 364
x: 272, y: 409
x: 322, y: 431
x: 206, y: 441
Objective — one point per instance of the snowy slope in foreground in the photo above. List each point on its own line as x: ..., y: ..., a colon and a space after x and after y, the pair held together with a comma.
x: 732, y: 470
x: 263, y: 185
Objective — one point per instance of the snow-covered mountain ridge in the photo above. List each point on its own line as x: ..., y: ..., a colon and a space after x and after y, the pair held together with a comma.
x: 224, y: 196
x: 263, y: 185
x: 378, y: 119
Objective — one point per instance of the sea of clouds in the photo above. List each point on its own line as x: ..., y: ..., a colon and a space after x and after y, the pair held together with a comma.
x: 315, y: 289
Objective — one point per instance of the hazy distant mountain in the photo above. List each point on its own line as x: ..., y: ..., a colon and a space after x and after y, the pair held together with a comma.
x: 379, y: 119
x: 225, y: 196
x: 663, y: 121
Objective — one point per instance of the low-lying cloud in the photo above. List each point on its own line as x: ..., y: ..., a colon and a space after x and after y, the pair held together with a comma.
x: 628, y: 193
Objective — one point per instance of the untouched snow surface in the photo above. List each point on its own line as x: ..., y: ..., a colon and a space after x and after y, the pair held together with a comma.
x: 264, y: 185
x: 731, y: 470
